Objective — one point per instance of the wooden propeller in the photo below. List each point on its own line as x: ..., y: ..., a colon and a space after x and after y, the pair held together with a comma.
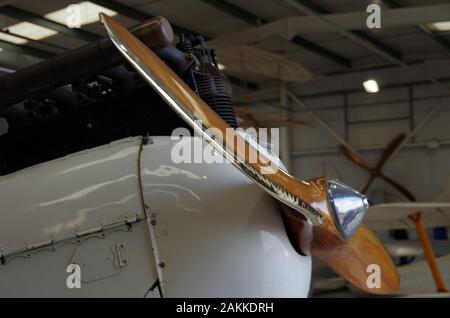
x: 376, y: 172
x: 416, y: 217
x: 308, y: 213
x: 350, y: 259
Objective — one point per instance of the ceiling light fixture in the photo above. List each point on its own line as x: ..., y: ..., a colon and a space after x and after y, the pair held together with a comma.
x: 442, y: 26
x: 31, y: 31
x: 89, y: 13
x: 371, y: 86
x: 12, y: 39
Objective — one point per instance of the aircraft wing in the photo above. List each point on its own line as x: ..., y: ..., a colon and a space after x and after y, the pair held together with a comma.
x: 401, y: 248
x: 242, y: 59
x: 395, y: 215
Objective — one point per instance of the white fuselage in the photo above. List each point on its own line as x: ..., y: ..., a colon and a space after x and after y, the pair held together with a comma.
x: 129, y: 218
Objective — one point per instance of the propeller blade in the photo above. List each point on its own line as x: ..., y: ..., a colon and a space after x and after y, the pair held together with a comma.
x: 366, y: 187
x: 399, y: 187
x: 251, y: 159
x: 355, y: 158
x: 351, y: 260
x: 390, y: 150
x: 355, y: 260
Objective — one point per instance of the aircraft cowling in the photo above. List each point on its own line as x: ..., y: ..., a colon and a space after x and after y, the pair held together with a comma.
x: 133, y: 219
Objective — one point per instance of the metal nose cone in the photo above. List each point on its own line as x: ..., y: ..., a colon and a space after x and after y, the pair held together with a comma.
x: 348, y: 207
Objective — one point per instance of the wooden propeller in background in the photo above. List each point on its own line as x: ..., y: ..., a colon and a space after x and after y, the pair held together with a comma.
x: 349, y: 258
x: 376, y: 172
x: 416, y: 218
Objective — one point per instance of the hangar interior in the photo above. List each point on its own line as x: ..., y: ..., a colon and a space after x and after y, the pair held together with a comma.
x: 308, y: 68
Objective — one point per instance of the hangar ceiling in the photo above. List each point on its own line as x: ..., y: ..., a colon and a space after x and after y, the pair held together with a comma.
x: 335, y: 61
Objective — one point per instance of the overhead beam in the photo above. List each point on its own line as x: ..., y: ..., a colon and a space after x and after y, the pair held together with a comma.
x: 236, y: 12
x: 440, y: 40
x: 23, y: 15
x: 320, y: 50
x: 123, y: 9
x: 392, y: 3
x: 395, y: 17
x: 252, y: 19
x: 135, y: 14
x: 380, y: 45
x: 26, y: 50
x: 38, y: 43
x: 345, y: 21
x: 366, y: 44
x: 436, y: 38
x: 364, y: 35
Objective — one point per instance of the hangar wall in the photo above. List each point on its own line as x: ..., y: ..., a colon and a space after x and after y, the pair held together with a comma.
x: 421, y: 169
